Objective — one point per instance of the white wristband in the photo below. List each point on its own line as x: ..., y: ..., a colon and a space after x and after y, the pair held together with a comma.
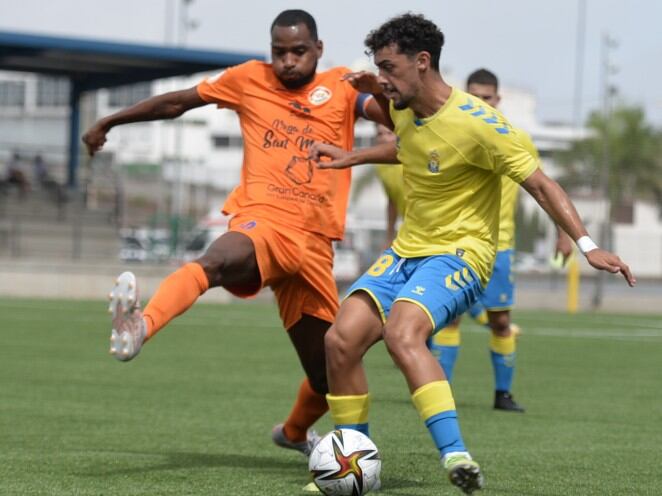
x: 586, y: 244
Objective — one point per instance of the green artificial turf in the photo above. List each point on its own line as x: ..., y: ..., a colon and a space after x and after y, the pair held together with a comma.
x: 193, y: 413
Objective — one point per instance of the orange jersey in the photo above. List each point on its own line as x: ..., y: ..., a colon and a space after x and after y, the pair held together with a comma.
x: 278, y: 126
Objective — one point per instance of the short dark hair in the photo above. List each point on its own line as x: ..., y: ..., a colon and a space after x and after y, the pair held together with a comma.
x: 412, y: 33
x: 483, y: 76
x: 293, y: 17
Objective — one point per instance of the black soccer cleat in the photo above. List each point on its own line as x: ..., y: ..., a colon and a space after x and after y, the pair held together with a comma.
x: 503, y: 400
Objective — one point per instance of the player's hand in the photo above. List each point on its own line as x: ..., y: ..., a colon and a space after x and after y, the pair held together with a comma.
x: 604, y: 260
x: 95, y: 138
x: 338, y: 156
x: 364, y: 82
x: 564, y: 248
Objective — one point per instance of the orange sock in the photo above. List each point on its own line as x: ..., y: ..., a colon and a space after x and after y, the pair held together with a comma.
x: 308, y: 407
x: 175, y: 295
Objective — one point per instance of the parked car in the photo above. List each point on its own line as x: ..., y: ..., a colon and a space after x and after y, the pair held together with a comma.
x: 144, y: 245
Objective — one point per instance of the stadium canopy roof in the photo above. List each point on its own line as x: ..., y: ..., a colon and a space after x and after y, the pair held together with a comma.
x: 93, y: 64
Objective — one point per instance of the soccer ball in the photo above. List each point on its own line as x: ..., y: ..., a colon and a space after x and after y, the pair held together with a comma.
x: 345, y: 463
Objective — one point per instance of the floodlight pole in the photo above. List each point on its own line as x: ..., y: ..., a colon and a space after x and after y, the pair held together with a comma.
x: 579, y: 64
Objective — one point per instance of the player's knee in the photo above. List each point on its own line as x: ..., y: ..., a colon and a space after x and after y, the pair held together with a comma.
x: 401, y: 340
x: 339, y: 349
x: 500, y: 325
x: 213, y: 263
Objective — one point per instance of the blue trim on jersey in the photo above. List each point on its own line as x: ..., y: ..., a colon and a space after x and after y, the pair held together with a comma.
x: 361, y: 100
x: 480, y: 111
x: 500, y: 291
x: 443, y: 285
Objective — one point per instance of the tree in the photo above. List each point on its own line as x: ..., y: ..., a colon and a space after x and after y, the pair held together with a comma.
x: 635, y: 159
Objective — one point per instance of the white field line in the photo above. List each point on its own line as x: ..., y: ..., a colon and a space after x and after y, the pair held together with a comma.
x: 625, y: 334
x: 616, y: 328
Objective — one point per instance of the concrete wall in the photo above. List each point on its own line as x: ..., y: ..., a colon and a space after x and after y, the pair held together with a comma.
x: 68, y: 280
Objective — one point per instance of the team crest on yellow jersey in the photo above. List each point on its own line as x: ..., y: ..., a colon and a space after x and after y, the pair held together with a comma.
x: 433, y: 162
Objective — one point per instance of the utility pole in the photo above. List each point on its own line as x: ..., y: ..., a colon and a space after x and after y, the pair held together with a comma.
x: 607, y: 46
x: 579, y: 65
x: 184, y: 25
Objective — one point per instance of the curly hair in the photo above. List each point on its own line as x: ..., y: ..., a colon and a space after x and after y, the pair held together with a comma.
x: 412, y: 33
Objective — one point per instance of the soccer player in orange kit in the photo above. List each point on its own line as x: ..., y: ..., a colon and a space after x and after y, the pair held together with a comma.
x: 285, y: 212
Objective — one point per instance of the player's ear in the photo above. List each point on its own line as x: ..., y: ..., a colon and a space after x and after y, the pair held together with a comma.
x: 319, y: 46
x: 423, y: 61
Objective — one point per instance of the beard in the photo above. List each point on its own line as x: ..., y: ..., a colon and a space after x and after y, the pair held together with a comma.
x: 293, y: 84
x: 401, y: 103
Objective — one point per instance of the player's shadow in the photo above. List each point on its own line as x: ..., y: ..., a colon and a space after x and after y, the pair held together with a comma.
x: 393, y: 485
x: 179, y: 460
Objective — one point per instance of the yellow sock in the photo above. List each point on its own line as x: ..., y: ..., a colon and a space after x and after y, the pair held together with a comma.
x: 433, y: 398
x: 448, y: 336
x: 502, y: 345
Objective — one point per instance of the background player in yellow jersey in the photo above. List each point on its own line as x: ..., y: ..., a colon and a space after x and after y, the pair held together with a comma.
x: 390, y: 175
x: 495, y: 304
x: 454, y: 151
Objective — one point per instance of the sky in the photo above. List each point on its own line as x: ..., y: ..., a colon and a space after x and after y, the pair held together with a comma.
x: 529, y: 44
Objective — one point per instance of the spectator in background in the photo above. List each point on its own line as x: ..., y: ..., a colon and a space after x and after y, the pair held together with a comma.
x: 41, y: 175
x: 16, y: 176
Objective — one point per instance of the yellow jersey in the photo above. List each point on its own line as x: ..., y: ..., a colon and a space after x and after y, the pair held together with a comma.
x: 390, y: 176
x: 452, y: 167
x: 509, y: 192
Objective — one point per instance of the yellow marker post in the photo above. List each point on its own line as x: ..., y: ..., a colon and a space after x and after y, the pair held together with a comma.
x: 573, y: 284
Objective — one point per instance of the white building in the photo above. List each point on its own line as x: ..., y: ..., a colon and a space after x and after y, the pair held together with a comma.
x: 208, y: 145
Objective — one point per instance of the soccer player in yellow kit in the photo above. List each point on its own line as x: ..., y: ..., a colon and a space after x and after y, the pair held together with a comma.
x: 454, y: 151
x: 494, y: 305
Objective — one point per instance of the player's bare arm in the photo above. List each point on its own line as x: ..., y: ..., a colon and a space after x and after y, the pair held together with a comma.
x: 564, y: 245
x: 385, y: 153
x: 558, y: 205
x: 377, y: 109
x: 165, y: 106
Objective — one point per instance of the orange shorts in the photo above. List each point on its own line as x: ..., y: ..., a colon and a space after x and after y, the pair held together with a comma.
x: 296, y: 264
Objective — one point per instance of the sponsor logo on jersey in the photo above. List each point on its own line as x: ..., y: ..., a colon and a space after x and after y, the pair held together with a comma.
x: 319, y: 95
x: 246, y: 226
x: 297, y: 106
x: 299, y: 170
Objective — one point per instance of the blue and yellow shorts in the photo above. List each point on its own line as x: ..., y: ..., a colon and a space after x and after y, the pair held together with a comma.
x: 500, y: 290
x: 443, y: 286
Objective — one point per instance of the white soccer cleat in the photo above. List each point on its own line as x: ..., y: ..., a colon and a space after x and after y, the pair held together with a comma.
x: 129, y: 328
